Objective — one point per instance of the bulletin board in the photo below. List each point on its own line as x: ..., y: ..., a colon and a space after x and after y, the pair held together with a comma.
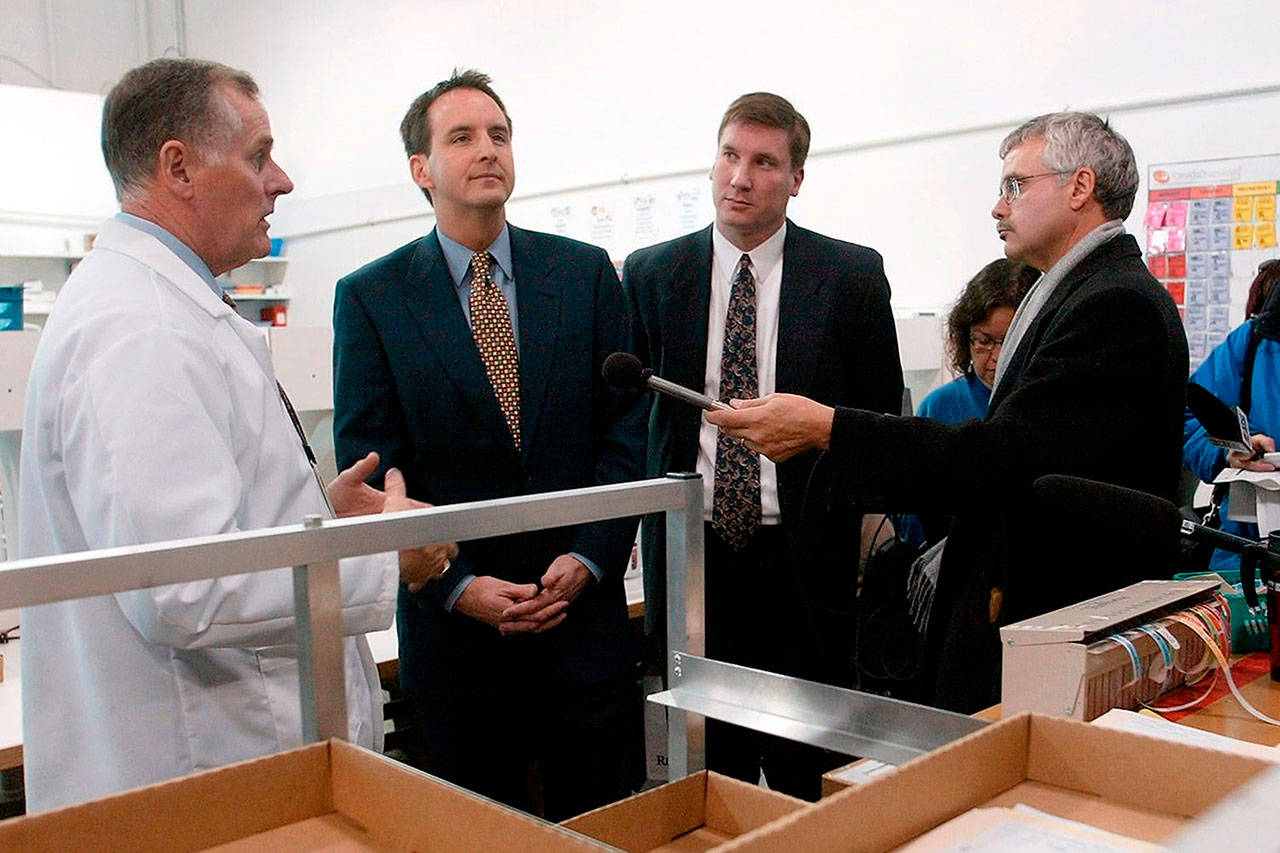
x: 1209, y: 224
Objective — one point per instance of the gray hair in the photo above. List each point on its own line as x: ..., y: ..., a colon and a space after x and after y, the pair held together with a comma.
x: 162, y: 100
x: 1075, y: 140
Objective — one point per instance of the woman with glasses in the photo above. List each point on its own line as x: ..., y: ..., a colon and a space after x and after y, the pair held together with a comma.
x: 976, y: 328
x: 975, y: 334
x: 1253, y: 349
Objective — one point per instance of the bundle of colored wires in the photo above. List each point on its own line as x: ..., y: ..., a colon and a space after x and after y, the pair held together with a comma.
x: 1212, y: 624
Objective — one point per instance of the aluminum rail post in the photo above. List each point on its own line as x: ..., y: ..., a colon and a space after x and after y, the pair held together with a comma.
x: 317, y: 602
x: 686, y: 732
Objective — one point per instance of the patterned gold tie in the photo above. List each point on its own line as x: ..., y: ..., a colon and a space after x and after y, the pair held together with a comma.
x: 735, y: 505
x: 491, y: 327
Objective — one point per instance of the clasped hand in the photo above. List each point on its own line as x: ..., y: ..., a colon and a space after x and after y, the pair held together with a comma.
x: 520, y: 608
x: 351, y: 495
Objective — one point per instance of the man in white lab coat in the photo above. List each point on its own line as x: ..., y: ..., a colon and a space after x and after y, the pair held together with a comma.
x: 152, y: 414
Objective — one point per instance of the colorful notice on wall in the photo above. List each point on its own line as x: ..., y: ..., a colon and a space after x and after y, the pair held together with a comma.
x: 1209, y: 224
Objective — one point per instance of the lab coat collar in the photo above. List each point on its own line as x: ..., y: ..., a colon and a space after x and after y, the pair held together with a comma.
x: 116, y: 236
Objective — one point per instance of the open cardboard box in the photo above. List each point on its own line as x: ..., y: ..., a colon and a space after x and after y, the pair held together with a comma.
x: 1121, y: 782
x: 863, y: 770
x: 699, y: 812
x: 327, y: 796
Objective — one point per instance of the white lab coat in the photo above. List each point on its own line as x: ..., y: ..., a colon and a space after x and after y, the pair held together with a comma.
x: 152, y: 414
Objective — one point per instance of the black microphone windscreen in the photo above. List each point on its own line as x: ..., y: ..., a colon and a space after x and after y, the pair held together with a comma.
x: 623, y: 371
x: 1109, y: 506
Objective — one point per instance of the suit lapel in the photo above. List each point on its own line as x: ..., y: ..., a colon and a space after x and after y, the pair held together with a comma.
x: 538, y: 307
x: 803, y: 305
x: 1104, y: 255
x: 685, y: 309
x: 432, y: 300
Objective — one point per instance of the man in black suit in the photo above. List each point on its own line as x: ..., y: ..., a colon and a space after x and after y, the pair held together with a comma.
x: 1091, y: 383
x: 470, y: 359
x: 748, y: 305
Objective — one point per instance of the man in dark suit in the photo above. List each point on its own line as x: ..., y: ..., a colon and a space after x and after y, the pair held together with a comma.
x: 1091, y: 383
x: 748, y: 305
x: 470, y: 359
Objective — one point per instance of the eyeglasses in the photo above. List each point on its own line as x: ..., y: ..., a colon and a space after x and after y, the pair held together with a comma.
x: 1011, y: 188
x: 979, y: 342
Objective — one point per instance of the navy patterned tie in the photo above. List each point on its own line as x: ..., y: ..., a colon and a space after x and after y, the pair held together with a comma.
x: 735, y: 507
x: 491, y: 327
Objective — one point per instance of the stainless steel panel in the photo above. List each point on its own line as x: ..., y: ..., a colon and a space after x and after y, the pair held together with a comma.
x: 843, y: 720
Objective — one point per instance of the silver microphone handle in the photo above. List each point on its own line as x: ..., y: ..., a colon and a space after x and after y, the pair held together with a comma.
x: 702, y: 401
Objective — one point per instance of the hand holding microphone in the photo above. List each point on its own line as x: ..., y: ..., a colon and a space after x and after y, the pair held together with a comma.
x: 777, y: 425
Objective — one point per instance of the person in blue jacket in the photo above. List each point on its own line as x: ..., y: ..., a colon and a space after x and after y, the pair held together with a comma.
x: 975, y: 334
x: 1222, y: 374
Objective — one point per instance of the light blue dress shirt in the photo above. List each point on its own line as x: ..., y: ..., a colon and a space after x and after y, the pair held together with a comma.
x: 457, y: 258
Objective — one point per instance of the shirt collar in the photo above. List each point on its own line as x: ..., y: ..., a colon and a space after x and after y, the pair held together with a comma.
x: 763, y: 257
x: 458, y: 256
x: 179, y: 248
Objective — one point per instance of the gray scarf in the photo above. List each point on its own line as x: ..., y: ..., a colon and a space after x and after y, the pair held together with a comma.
x: 1039, y: 294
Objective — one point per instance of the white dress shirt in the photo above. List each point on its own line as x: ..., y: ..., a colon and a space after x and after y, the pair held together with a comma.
x: 766, y: 266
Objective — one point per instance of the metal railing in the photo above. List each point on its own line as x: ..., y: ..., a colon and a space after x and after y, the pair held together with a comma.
x: 313, y: 550
x: 832, y: 717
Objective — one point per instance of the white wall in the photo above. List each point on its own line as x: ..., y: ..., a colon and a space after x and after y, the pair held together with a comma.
x: 907, y: 101
x: 81, y: 45
x: 51, y: 167
x: 599, y: 91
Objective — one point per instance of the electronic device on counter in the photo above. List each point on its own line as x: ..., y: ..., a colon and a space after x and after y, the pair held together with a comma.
x: 1117, y: 650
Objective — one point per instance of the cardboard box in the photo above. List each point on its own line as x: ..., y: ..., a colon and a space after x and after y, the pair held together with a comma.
x: 1121, y: 782
x: 864, y: 770
x: 702, y: 811
x: 851, y: 775
x: 326, y: 796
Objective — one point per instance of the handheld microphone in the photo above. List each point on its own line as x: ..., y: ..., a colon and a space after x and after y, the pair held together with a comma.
x: 623, y: 371
x: 1146, y: 516
x: 1095, y: 502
